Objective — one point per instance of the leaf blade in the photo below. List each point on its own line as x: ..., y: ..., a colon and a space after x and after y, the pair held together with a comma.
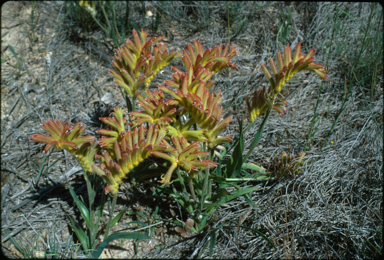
x: 119, y: 235
x: 258, y: 135
x: 80, y: 234
x: 212, y: 243
x: 117, y: 217
x: 83, y: 209
x: 236, y: 159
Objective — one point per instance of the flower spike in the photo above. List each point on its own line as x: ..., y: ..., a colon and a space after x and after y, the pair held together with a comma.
x: 186, y: 156
x: 63, y: 136
x: 135, y: 146
x: 288, y: 67
x: 116, y: 128
x: 135, y: 57
x: 214, y: 60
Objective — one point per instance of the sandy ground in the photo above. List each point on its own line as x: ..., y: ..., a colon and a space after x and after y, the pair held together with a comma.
x: 330, y: 210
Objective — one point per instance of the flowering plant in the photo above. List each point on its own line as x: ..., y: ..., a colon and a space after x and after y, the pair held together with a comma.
x: 179, y: 124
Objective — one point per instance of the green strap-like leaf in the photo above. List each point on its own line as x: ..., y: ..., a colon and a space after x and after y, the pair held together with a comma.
x: 21, y: 250
x: 83, y: 209
x: 218, y: 169
x: 252, y: 166
x: 137, y: 222
x: 118, y: 216
x: 225, y: 199
x: 202, y: 251
x: 236, y: 160
x: 138, y: 213
x: 120, y: 235
x: 212, y: 243
x: 258, y: 135
x: 220, y: 193
x: 249, y: 200
x: 80, y: 234
x: 154, y: 219
x: 100, y: 207
x: 13, y: 51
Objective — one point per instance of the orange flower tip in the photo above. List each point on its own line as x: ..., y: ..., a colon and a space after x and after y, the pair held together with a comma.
x: 109, y: 189
x: 163, y: 181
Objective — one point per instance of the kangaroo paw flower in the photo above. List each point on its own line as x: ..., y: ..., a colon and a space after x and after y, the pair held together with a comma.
x: 135, y: 146
x: 185, y: 155
x: 257, y: 105
x: 63, y: 136
x: 156, y: 109
x: 288, y: 67
x: 116, y: 128
x: 214, y: 59
x: 136, y: 57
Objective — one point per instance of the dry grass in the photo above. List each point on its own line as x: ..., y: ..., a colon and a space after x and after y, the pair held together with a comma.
x: 329, y: 211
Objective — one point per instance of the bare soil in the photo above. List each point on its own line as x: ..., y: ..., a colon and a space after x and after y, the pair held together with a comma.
x: 331, y: 210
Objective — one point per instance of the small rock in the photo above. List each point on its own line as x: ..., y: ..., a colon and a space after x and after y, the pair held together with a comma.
x: 107, y: 98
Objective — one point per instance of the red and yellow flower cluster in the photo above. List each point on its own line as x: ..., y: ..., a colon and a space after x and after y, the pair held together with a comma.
x: 176, y: 127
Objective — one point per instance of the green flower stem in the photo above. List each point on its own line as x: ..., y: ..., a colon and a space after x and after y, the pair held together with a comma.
x: 174, y: 189
x: 200, y: 176
x: 248, y: 127
x: 106, y: 17
x: 102, y: 27
x: 210, y: 182
x: 212, y: 153
x: 192, y: 189
x: 102, y: 203
x: 180, y: 179
x: 91, y: 197
x: 206, y: 189
x: 111, y: 210
x: 91, y: 212
x: 205, y: 184
x: 206, y: 172
x: 234, y: 143
x: 114, y: 23
x: 259, y: 133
